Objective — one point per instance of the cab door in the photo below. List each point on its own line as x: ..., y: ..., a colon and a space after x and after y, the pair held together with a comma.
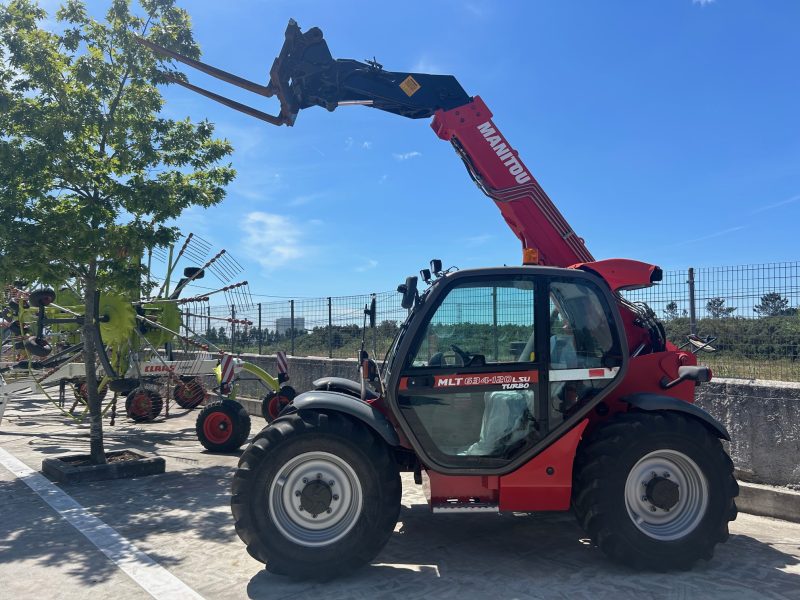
x: 502, y: 362
x: 472, y: 384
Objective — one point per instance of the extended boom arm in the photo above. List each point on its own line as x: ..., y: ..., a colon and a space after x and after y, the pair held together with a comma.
x: 305, y: 74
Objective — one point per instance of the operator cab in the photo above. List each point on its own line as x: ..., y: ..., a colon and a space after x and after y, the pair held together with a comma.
x: 496, y: 363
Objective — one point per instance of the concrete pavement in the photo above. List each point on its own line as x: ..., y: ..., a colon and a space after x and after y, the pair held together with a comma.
x: 182, y: 520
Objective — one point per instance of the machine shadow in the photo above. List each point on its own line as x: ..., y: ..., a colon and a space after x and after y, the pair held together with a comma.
x: 532, y: 555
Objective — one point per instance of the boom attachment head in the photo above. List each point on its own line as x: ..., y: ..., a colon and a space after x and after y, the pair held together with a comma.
x: 305, y: 74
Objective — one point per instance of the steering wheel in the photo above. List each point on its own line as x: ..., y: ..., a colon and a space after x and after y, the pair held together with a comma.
x: 464, y: 356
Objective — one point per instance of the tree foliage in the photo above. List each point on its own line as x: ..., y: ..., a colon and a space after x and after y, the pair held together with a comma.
x: 90, y: 170
x: 774, y: 304
x: 717, y: 310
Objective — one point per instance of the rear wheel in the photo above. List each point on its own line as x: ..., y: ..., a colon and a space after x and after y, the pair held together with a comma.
x: 654, y: 490
x: 223, y: 426
x: 315, y: 495
x: 143, y: 404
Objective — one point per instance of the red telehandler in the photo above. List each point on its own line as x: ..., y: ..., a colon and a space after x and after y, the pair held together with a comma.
x: 531, y: 388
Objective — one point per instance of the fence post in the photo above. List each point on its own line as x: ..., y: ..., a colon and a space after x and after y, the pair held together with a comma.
x: 330, y: 328
x: 374, y: 329
x: 260, y: 331
x: 291, y: 323
x: 208, y: 321
x: 233, y: 329
x: 692, y: 310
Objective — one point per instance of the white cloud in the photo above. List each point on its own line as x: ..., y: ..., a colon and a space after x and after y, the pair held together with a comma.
x: 350, y: 143
x: 703, y: 2
x: 425, y: 65
x: 304, y: 199
x: 478, y: 240
x: 712, y: 235
x: 370, y: 264
x: 407, y: 155
x: 271, y: 240
x: 383, y: 178
x: 477, y: 10
x: 761, y: 209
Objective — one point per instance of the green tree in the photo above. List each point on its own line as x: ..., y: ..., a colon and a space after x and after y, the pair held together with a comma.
x: 774, y: 304
x: 671, y: 311
x: 717, y: 310
x: 89, y: 169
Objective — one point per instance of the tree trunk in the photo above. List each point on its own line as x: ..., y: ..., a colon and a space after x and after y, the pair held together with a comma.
x: 96, y: 447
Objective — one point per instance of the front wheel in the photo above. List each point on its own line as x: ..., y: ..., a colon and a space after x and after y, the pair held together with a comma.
x: 654, y: 490
x: 315, y: 495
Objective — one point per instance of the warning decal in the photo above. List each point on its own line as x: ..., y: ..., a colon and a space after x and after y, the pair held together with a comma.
x: 410, y: 86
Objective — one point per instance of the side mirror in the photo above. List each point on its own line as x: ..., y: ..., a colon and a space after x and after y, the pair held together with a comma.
x: 687, y: 373
x: 436, y: 266
x: 193, y: 273
x: 409, y: 291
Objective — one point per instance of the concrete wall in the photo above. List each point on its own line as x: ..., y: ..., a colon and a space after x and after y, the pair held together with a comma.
x: 763, y: 417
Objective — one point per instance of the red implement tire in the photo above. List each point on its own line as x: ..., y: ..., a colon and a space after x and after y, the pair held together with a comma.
x: 190, y: 394
x: 143, y: 405
x: 81, y: 392
x: 223, y: 426
x: 274, y: 402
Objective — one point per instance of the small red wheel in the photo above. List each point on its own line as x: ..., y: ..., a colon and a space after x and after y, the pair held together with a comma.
x: 222, y: 426
x: 190, y: 394
x: 143, y: 404
x: 82, y: 392
x: 218, y: 427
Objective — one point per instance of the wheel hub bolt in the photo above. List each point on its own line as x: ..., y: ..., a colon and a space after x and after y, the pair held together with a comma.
x: 335, y: 497
x: 297, y: 493
x: 305, y: 479
x: 300, y: 508
x: 666, y: 475
x: 329, y: 511
x: 330, y: 482
x: 644, y: 498
x: 319, y: 475
x: 652, y: 509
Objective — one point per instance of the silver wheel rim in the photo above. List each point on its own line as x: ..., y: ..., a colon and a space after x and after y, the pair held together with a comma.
x: 679, y: 520
x: 301, y: 526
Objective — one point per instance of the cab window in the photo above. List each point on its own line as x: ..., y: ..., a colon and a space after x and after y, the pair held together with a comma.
x: 480, y: 323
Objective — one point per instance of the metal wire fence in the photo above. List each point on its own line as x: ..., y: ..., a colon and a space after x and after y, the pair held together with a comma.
x: 753, y: 311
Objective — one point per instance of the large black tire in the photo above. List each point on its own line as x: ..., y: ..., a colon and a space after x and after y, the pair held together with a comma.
x: 357, y: 531
x: 677, y: 524
x: 143, y: 405
x: 223, y: 426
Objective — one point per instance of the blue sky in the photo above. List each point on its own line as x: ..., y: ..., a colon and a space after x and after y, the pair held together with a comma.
x: 664, y: 131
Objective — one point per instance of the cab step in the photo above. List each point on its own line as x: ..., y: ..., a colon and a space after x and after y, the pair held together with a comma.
x: 450, y: 508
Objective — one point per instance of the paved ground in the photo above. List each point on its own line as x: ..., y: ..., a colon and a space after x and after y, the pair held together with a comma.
x: 181, y: 519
